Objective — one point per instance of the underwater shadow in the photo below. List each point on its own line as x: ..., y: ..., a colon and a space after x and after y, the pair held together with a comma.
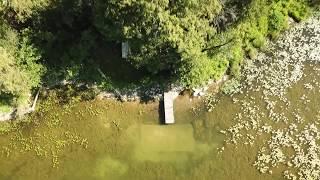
x: 161, y: 113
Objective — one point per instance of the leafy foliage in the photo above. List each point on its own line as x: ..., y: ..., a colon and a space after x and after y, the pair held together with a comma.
x: 180, y: 37
x: 262, y: 19
x: 237, y: 55
x: 164, y: 35
x: 28, y: 58
x: 12, y: 81
x: 278, y: 19
x: 19, y: 68
x: 21, y: 10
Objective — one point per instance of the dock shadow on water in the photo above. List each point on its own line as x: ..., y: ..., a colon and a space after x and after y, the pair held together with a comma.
x: 161, y: 112
x: 167, y: 143
x: 110, y: 168
x: 153, y: 147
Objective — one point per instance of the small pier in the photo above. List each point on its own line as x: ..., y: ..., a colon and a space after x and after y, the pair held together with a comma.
x: 168, y: 98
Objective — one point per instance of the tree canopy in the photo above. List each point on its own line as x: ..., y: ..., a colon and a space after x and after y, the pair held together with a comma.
x: 164, y: 35
x: 185, y: 42
x: 21, y: 10
x: 20, y: 70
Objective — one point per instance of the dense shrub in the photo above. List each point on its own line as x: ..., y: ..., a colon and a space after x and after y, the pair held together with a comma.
x: 259, y: 41
x: 165, y: 35
x: 21, y: 10
x: 278, y: 20
x: 204, y: 69
x: 298, y: 10
x: 237, y: 55
x: 262, y: 19
x: 19, y: 66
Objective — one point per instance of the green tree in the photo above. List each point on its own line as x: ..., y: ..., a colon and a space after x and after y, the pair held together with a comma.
x: 164, y: 35
x: 20, y: 70
x: 13, y: 82
x: 22, y: 9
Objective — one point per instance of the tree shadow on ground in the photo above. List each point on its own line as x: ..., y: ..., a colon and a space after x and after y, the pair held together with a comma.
x: 73, y: 49
x: 108, y: 57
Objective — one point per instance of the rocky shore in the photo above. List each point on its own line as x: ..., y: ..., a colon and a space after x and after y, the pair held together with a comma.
x: 124, y: 95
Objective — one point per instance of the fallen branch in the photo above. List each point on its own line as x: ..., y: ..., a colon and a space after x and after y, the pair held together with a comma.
x: 218, y: 46
x: 33, y: 107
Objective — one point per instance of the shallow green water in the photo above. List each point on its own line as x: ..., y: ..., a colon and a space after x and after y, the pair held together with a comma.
x: 101, y: 140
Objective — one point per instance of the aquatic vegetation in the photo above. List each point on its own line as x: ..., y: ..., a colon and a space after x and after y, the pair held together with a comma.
x: 232, y: 86
x: 291, y: 139
x: 5, y: 127
x: 305, y: 157
x: 210, y: 100
x: 41, y: 144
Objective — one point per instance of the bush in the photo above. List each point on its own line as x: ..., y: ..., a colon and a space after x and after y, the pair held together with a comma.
x: 199, y: 71
x: 252, y: 52
x: 298, y: 11
x: 259, y: 41
x: 20, y: 68
x: 263, y: 25
x: 236, y: 59
x: 105, y: 84
x: 235, y: 69
x: 278, y: 20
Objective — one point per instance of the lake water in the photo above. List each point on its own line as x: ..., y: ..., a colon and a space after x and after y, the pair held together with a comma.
x: 104, y: 139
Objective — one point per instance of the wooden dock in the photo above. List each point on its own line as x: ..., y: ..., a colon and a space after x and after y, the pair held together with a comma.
x: 168, y: 98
